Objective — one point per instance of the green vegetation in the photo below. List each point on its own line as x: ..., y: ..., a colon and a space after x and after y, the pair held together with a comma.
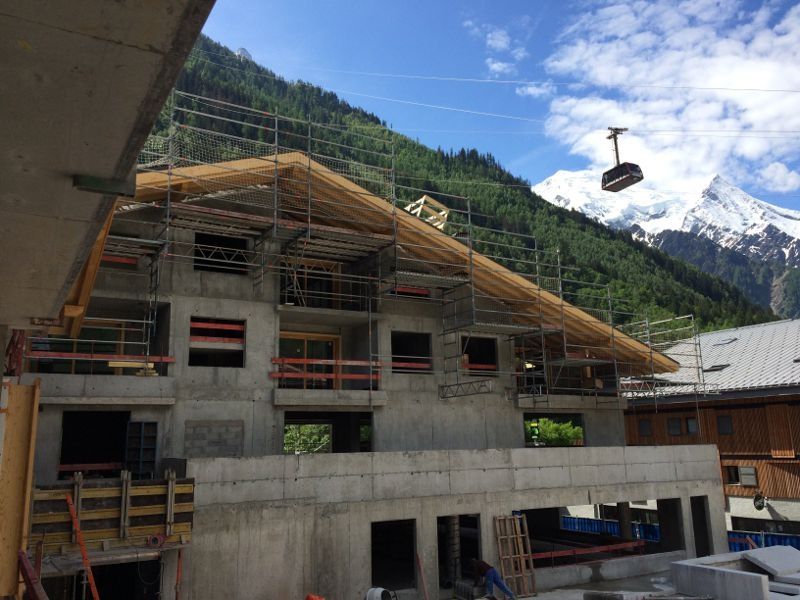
x: 306, y: 439
x: 549, y: 432
x: 650, y: 281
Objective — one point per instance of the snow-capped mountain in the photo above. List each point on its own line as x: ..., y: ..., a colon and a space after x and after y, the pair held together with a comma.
x: 722, y: 212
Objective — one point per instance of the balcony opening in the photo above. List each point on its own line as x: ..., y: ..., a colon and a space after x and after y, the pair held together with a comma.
x: 139, y: 580
x: 93, y: 442
x: 327, y: 432
x: 220, y: 253
x: 216, y: 342
x: 458, y: 542
x: 313, y: 361
x: 593, y: 532
x: 411, y: 352
x: 116, y: 338
x: 553, y: 430
x: 479, y: 355
x: 316, y: 283
x: 393, y: 551
x: 700, y: 525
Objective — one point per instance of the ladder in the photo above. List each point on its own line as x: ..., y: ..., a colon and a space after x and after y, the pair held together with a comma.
x: 514, y: 550
x: 76, y: 526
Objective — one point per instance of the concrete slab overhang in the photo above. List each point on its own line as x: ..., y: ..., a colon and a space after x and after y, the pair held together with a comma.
x: 81, y: 84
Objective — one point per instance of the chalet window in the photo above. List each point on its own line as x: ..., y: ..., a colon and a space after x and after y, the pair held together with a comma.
x: 479, y: 355
x: 220, y: 253
x: 216, y: 342
x: 732, y: 475
x: 744, y: 476
x: 674, y: 426
x: 747, y: 476
x: 645, y: 428
x: 724, y: 425
x: 691, y: 425
x: 411, y: 352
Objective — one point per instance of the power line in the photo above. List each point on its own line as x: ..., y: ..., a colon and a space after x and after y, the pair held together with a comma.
x: 443, y: 107
x: 697, y: 132
x: 486, y: 80
x: 550, y: 83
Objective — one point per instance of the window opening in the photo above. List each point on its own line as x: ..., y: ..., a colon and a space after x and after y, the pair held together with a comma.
x: 552, y: 430
x: 216, y: 342
x: 411, y: 352
x: 220, y: 253
x: 327, y: 432
x: 732, y: 475
x: 479, y: 355
x: 93, y: 442
x: 691, y: 425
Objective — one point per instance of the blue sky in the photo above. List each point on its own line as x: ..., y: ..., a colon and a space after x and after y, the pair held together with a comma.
x: 564, y: 70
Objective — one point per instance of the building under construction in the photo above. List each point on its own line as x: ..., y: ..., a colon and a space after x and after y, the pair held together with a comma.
x: 285, y: 372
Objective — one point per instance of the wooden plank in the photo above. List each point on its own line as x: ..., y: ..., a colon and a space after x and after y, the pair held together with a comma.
x: 16, y: 477
x: 779, y: 428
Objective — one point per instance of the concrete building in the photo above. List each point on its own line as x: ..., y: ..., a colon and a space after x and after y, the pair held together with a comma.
x: 253, y: 303
x: 749, y: 407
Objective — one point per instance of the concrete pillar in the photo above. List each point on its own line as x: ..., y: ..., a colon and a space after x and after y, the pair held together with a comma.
x: 428, y: 552
x: 624, y: 517
x: 688, y: 527
x: 488, y: 541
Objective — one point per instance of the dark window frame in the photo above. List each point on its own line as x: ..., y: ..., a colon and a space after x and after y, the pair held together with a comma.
x: 692, y: 430
x: 671, y: 421
x: 645, y: 427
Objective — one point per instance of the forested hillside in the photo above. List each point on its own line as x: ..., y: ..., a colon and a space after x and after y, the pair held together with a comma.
x: 650, y: 280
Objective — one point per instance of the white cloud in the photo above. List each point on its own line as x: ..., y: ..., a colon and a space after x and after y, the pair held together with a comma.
x: 777, y: 177
x: 641, y: 62
x: 536, y: 90
x: 498, y: 40
x: 497, y: 67
x: 505, y: 46
x: 519, y: 53
x: 472, y: 27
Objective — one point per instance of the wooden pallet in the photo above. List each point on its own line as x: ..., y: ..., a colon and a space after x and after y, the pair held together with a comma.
x: 514, y: 550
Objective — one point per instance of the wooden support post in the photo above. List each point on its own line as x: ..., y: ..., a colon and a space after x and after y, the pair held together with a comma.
x: 124, y: 504
x: 170, y: 502
x: 77, y: 487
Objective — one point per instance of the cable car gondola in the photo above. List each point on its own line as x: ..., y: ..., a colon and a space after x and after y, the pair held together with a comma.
x: 623, y: 175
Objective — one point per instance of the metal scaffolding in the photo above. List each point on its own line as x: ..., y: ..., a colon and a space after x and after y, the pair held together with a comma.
x: 316, y: 211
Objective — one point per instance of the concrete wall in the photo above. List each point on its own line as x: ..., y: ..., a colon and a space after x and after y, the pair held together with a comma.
x: 722, y: 576
x: 776, y: 510
x: 303, y: 522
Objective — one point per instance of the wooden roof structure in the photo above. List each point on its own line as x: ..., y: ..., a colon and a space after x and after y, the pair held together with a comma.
x: 315, y: 196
